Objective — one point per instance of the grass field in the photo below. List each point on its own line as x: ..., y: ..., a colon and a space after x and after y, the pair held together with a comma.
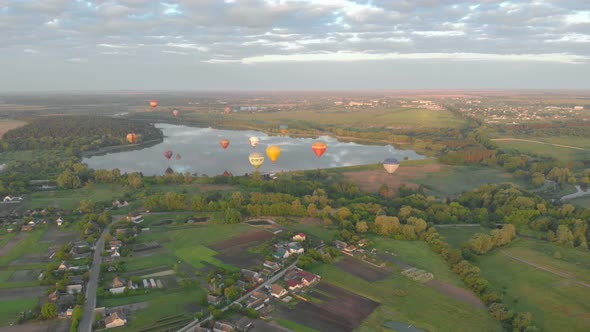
x: 29, y: 155
x: 417, y: 254
x: 422, y: 306
x: 194, y: 235
x: 10, y: 308
x: 456, y: 236
x: 582, y: 202
x: 29, y: 245
x: 563, y: 154
x: 291, y: 325
x: 134, y: 264
x: 378, y: 117
x: 557, y: 303
x: 70, y: 199
x: 197, y: 254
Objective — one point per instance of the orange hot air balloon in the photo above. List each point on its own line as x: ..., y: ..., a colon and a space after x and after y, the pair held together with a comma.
x: 227, y: 110
x: 131, y: 138
x: 175, y: 113
x: 153, y: 103
x: 319, y: 148
x: 224, y: 143
x: 273, y: 152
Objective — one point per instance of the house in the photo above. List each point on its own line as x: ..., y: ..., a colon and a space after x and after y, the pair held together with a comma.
x: 277, y: 291
x: 117, y: 290
x: 131, y: 285
x: 65, y: 301
x: 69, y: 312
x: 118, y: 282
x: 340, y: 244
x: 79, y: 268
x: 273, y: 266
x: 350, y: 249
x: 73, y: 289
x: 295, y: 248
x: 295, y: 284
x: 280, y: 254
x: 59, y: 221
x: 213, y: 299
x: 308, y: 278
x: 115, y: 319
x: 134, y: 217
x: 7, y: 199
x: 251, y: 276
x: 222, y: 327
x: 363, y: 242
x: 76, y: 280
x: 146, y: 284
x: 299, y: 237
x: 115, y: 253
x: 27, y: 228
x: 115, y: 244
x: 153, y: 283
x: 64, y: 266
x: 243, y: 324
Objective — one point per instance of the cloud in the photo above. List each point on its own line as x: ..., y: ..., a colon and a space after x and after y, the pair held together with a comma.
x: 30, y: 51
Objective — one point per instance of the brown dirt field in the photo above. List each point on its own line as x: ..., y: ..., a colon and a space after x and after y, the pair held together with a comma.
x: 455, y: 292
x: 56, y: 325
x: 253, y: 238
x: 7, y: 125
x: 57, y: 236
x: 234, y: 251
x: 343, y: 311
x: 370, y: 181
x: 11, y: 244
x: 22, y: 293
x: 361, y: 270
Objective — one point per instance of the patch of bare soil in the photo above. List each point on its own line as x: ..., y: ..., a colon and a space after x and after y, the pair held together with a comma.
x: 455, y: 292
x: 371, y: 181
x: 361, y: 270
x: 11, y: 244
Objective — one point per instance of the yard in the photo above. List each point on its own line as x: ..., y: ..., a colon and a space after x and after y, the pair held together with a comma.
x: 557, y: 302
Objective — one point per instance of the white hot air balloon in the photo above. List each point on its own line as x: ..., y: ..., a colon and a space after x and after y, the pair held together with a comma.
x: 254, y: 141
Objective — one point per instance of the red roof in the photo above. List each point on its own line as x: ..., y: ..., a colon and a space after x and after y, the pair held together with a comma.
x: 301, y: 235
x: 294, y: 283
x: 307, y: 276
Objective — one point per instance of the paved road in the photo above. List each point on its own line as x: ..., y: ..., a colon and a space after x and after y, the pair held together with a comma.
x: 273, y: 279
x: 88, y: 317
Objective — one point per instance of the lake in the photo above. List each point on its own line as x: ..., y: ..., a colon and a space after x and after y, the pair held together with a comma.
x: 202, y: 154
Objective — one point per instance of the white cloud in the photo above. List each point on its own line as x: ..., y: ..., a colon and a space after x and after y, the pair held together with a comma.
x: 30, y: 51
x: 77, y: 60
x: 188, y: 46
x: 571, y: 38
x: 118, y: 46
x: 175, y: 52
x: 439, y: 33
x: 579, y: 17
x: 53, y: 23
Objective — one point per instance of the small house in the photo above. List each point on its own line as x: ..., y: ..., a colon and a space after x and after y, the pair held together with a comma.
x: 213, y: 299
x: 243, y: 324
x: 76, y: 280
x: 59, y: 221
x: 118, y: 282
x: 299, y: 237
x: 295, y: 248
x: 73, y: 289
x: 27, y: 228
x: 277, y: 291
x: 221, y: 326
x: 64, y: 266
x: 115, y: 319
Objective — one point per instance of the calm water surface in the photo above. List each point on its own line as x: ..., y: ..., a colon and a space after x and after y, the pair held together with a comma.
x: 202, y: 154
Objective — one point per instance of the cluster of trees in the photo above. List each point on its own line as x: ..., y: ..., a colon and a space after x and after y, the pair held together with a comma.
x: 76, y: 133
x: 481, y: 243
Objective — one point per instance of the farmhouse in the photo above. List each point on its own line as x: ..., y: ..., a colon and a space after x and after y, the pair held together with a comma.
x: 213, y: 299
x: 222, y: 327
x: 73, y: 289
x: 297, y: 278
x: 299, y: 237
x: 243, y: 324
x: 115, y: 319
x: 118, y: 282
x: 277, y: 291
x: 251, y: 276
x: 340, y: 244
x: 115, y: 244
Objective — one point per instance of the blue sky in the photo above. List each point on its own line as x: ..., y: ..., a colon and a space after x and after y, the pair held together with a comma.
x: 293, y: 44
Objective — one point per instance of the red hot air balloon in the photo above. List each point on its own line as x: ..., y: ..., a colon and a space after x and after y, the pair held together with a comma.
x: 175, y: 113
x: 178, y: 156
x: 224, y: 143
x: 319, y: 148
x: 131, y: 138
x: 227, y: 110
x: 168, y: 154
x: 154, y: 103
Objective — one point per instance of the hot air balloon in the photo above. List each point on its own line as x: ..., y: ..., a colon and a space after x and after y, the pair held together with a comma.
x: 178, y: 156
x: 256, y: 159
x: 224, y: 143
x: 390, y: 165
x: 168, y: 154
x: 169, y: 171
x: 283, y: 129
x: 273, y: 152
x: 175, y: 113
x: 254, y: 141
x: 319, y: 148
x: 154, y: 103
x: 131, y: 138
x: 227, y: 110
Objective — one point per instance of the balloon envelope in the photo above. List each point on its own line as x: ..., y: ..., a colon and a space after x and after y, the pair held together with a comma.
x: 175, y: 113
x: 256, y: 159
x: 319, y: 148
x: 390, y: 165
x: 131, y: 138
x: 168, y: 154
x: 283, y: 128
x: 273, y: 152
x: 178, y: 156
x: 153, y: 103
x: 224, y: 143
x: 169, y: 171
x: 254, y: 141
x: 227, y: 110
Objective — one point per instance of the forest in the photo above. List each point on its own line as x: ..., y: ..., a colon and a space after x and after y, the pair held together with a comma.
x: 76, y: 133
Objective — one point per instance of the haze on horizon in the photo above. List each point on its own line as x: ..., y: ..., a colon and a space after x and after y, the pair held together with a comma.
x: 293, y: 45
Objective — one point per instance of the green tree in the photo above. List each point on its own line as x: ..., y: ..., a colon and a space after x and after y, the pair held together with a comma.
x: 48, y: 311
x: 68, y: 180
x: 362, y: 227
x: 86, y: 206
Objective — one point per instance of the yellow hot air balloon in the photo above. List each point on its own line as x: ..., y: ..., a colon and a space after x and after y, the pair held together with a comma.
x: 273, y: 152
x: 256, y: 159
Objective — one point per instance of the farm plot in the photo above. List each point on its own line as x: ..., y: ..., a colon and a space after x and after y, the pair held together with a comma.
x: 341, y: 310
x: 24, y: 276
x: 234, y: 251
x: 56, y: 236
x: 11, y: 244
x: 20, y: 293
x: 361, y: 270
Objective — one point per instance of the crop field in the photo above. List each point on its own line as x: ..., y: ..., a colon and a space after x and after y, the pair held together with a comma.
x: 407, y: 301
x: 341, y: 310
x: 197, y: 255
x: 562, y: 153
x: 235, y: 252
x: 456, y: 236
x: 70, y: 199
x: 10, y: 308
x: 365, y: 118
x: 533, y: 280
x: 28, y: 245
x: 362, y: 270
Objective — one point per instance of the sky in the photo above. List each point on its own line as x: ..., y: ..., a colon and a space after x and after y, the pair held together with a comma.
x: 60, y: 45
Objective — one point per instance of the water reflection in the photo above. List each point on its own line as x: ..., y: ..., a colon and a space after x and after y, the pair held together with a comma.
x: 202, y: 154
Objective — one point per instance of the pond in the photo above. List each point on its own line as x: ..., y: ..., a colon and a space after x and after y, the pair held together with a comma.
x: 201, y: 153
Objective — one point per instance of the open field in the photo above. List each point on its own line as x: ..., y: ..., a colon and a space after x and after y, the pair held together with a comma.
x: 365, y: 118
x: 70, y: 199
x: 582, y: 202
x: 29, y: 245
x: 6, y: 125
x: 12, y: 241
x: 407, y: 301
x: 56, y: 325
x: 565, y: 149
x: 456, y: 236
x: 10, y: 308
x: 234, y: 251
x: 341, y: 311
x: 194, y: 188
x: 197, y: 255
x: 552, y: 294
x: 438, y: 179
x: 187, y: 237
x: 19, y: 293
x: 362, y: 270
